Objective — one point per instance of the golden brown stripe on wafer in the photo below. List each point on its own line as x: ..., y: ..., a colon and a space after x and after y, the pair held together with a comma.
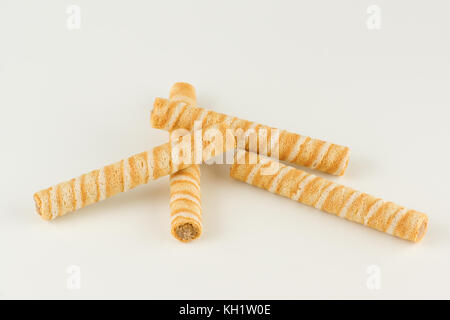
x: 191, y: 211
x: 185, y: 184
x: 188, y: 192
x: 336, y: 199
x: 138, y: 170
x: 109, y: 180
x: 293, y: 147
x: 184, y: 181
x: 183, y: 203
x: 184, y: 92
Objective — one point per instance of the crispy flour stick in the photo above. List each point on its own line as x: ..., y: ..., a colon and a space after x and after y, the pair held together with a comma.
x: 294, y: 148
x: 185, y: 195
x: 333, y: 198
x: 129, y: 173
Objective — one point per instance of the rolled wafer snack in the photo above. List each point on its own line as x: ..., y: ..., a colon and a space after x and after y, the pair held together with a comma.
x: 131, y: 172
x: 294, y: 148
x: 185, y: 195
x: 332, y: 198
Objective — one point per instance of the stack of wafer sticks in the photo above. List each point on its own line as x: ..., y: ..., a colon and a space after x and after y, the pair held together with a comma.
x: 258, y: 150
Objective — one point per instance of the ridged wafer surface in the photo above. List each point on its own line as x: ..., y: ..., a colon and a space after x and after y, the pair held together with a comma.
x: 185, y: 193
x: 298, y: 149
x: 122, y: 176
x: 332, y: 198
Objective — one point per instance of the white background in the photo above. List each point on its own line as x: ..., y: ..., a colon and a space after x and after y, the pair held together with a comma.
x: 74, y: 100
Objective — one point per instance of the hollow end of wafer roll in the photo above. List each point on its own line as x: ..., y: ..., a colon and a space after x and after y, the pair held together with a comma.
x: 186, y: 229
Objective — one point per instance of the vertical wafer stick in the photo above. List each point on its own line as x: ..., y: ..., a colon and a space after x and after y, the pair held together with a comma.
x: 126, y: 174
x: 333, y: 198
x: 294, y: 148
x: 185, y: 194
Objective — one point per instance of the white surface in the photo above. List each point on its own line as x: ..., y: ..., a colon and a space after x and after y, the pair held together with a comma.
x: 72, y: 101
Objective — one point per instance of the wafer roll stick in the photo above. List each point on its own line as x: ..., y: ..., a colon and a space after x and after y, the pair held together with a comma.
x: 332, y: 198
x: 298, y: 149
x: 131, y: 172
x: 185, y: 195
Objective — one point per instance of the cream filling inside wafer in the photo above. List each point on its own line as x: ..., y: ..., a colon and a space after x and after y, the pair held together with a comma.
x: 186, y: 231
x: 183, y: 196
